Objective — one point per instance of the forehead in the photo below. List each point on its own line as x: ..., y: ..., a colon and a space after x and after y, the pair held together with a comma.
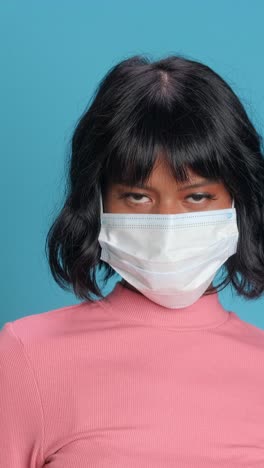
x: 162, y: 177
x: 162, y: 170
x: 164, y: 183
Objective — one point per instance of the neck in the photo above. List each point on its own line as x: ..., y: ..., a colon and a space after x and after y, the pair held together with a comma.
x: 129, y: 286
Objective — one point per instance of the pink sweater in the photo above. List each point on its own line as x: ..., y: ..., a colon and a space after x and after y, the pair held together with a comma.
x: 126, y: 383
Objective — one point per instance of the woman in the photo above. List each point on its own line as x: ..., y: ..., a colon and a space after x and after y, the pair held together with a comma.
x: 166, y: 187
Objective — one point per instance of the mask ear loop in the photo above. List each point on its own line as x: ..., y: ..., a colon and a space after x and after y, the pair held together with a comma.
x: 101, y: 205
x: 233, y: 203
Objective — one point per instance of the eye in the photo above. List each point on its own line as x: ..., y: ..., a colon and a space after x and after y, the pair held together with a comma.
x: 200, y: 197
x: 136, y: 197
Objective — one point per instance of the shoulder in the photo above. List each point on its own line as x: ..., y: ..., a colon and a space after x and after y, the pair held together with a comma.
x: 247, y: 331
x: 40, y: 327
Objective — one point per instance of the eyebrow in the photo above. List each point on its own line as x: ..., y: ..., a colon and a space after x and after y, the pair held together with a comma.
x: 198, y: 184
x: 184, y: 187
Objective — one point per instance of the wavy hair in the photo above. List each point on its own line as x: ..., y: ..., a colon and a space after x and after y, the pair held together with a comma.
x: 141, y: 107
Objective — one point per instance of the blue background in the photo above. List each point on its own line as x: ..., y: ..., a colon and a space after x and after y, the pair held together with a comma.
x: 53, y: 54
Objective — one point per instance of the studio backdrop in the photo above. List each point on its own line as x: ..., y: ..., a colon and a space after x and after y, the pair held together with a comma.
x: 53, y: 55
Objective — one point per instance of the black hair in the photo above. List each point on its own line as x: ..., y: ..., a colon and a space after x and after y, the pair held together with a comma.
x: 140, y: 108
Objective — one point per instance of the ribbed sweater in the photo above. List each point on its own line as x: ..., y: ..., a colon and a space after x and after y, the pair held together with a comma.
x: 126, y: 383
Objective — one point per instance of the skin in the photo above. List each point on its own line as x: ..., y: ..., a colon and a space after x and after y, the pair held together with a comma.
x: 165, y: 196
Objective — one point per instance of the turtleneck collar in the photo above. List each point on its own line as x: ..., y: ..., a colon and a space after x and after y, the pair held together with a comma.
x: 128, y: 305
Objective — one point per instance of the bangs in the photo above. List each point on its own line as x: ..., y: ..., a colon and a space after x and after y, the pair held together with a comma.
x: 184, y: 139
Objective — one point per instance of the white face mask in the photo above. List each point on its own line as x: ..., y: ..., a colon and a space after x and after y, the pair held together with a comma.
x: 171, y: 259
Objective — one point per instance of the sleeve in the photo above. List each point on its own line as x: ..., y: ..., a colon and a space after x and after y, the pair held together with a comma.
x: 21, y: 416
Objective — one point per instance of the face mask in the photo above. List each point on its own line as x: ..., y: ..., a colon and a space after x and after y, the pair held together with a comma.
x: 171, y: 259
